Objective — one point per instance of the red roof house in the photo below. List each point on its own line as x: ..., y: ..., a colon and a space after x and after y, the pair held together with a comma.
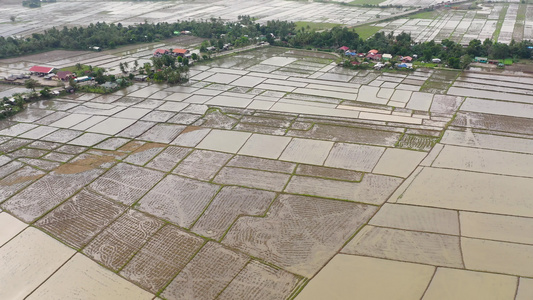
x: 180, y: 52
x: 41, y: 70
x: 64, y: 75
x: 344, y: 48
x: 407, y: 59
x: 373, y: 52
x: 374, y: 56
x: 160, y: 52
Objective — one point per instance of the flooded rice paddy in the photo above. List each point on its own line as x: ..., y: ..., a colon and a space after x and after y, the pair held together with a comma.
x: 272, y: 174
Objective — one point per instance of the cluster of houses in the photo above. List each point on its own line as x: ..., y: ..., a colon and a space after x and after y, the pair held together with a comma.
x: 381, y: 59
x: 174, y: 52
x: 48, y: 73
x: 485, y: 60
x: 51, y: 73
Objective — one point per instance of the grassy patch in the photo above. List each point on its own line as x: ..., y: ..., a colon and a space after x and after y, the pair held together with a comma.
x: 425, y: 15
x: 425, y: 65
x: 521, y: 14
x: 85, y: 70
x: 362, y: 2
x: 503, y: 12
x: 507, y: 61
x: 315, y: 26
x: 366, y: 31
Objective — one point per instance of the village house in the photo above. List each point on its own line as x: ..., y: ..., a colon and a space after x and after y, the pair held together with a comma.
x: 41, y: 71
x: 375, y: 57
x: 406, y: 59
x: 386, y: 56
x: 161, y: 52
x: 344, y: 48
x: 180, y: 52
x: 64, y: 75
x: 350, y: 53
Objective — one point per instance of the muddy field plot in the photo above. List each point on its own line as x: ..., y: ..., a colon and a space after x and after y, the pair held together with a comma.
x: 501, y: 21
x: 265, y: 171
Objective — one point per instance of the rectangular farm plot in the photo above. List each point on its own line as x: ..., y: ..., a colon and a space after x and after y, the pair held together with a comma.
x: 86, y: 279
x: 471, y: 191
x: 252, y: 178
x: 178, y: 200
x: 28, y: 260
x: 167, y: 252
x: 126, y: 183
x: 229, y: 101
x: 248, y: 81
x: 9, y: 227
x: 222, y: 78
x: 208, y: 273
x: 144, y: 153
x: 417, y: 218
x: 168, y: 158
x: 498, y: 257
x: 38, y: 198
x: 354, y: 157
x: 484, y: 160
x: 162, y: 133
x: 260, y: 281
x: 398, y: 162
x: 115, y: 246
x: 411, y: 246
x: 498, y: 107
x: 202, y: 164
x: 408, y: 281
x: 87, y: 208
x: 373, y: 189
x: 316, y: 228
x: 228, y: 205
x: 307, y: 151
x: 266, y: 146
x: 191, y: 136
x: 225, y: 141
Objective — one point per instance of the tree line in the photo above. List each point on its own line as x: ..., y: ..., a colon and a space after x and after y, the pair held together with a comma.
x: 246, y: 30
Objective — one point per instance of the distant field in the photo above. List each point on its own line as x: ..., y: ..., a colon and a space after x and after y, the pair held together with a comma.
x: 315, y: 26
x: 424, y: 15
x: 366, y: 31
x: 372, y: 2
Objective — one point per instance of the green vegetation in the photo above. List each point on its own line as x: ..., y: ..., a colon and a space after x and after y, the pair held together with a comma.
x: 521, y: 14
x: 168, y: 69
x: 507, y: 61
x: 83, y: 70
x: 424, y: 65
x: 366, y: 31
x: 314, y: 25
x: 246, y: 31
x: 7, y: 110
x: 362, y: 2
x: 106, y: 35
x: 499, y: 25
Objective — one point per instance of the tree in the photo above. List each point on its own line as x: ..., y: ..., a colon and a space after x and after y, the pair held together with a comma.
x: 194, y: 56
x: 78, y: 66
x: 121, y: 66
x: 12, y: 18
x: 454, y: 62
x: 31, y: 84
x: 45, y: 93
